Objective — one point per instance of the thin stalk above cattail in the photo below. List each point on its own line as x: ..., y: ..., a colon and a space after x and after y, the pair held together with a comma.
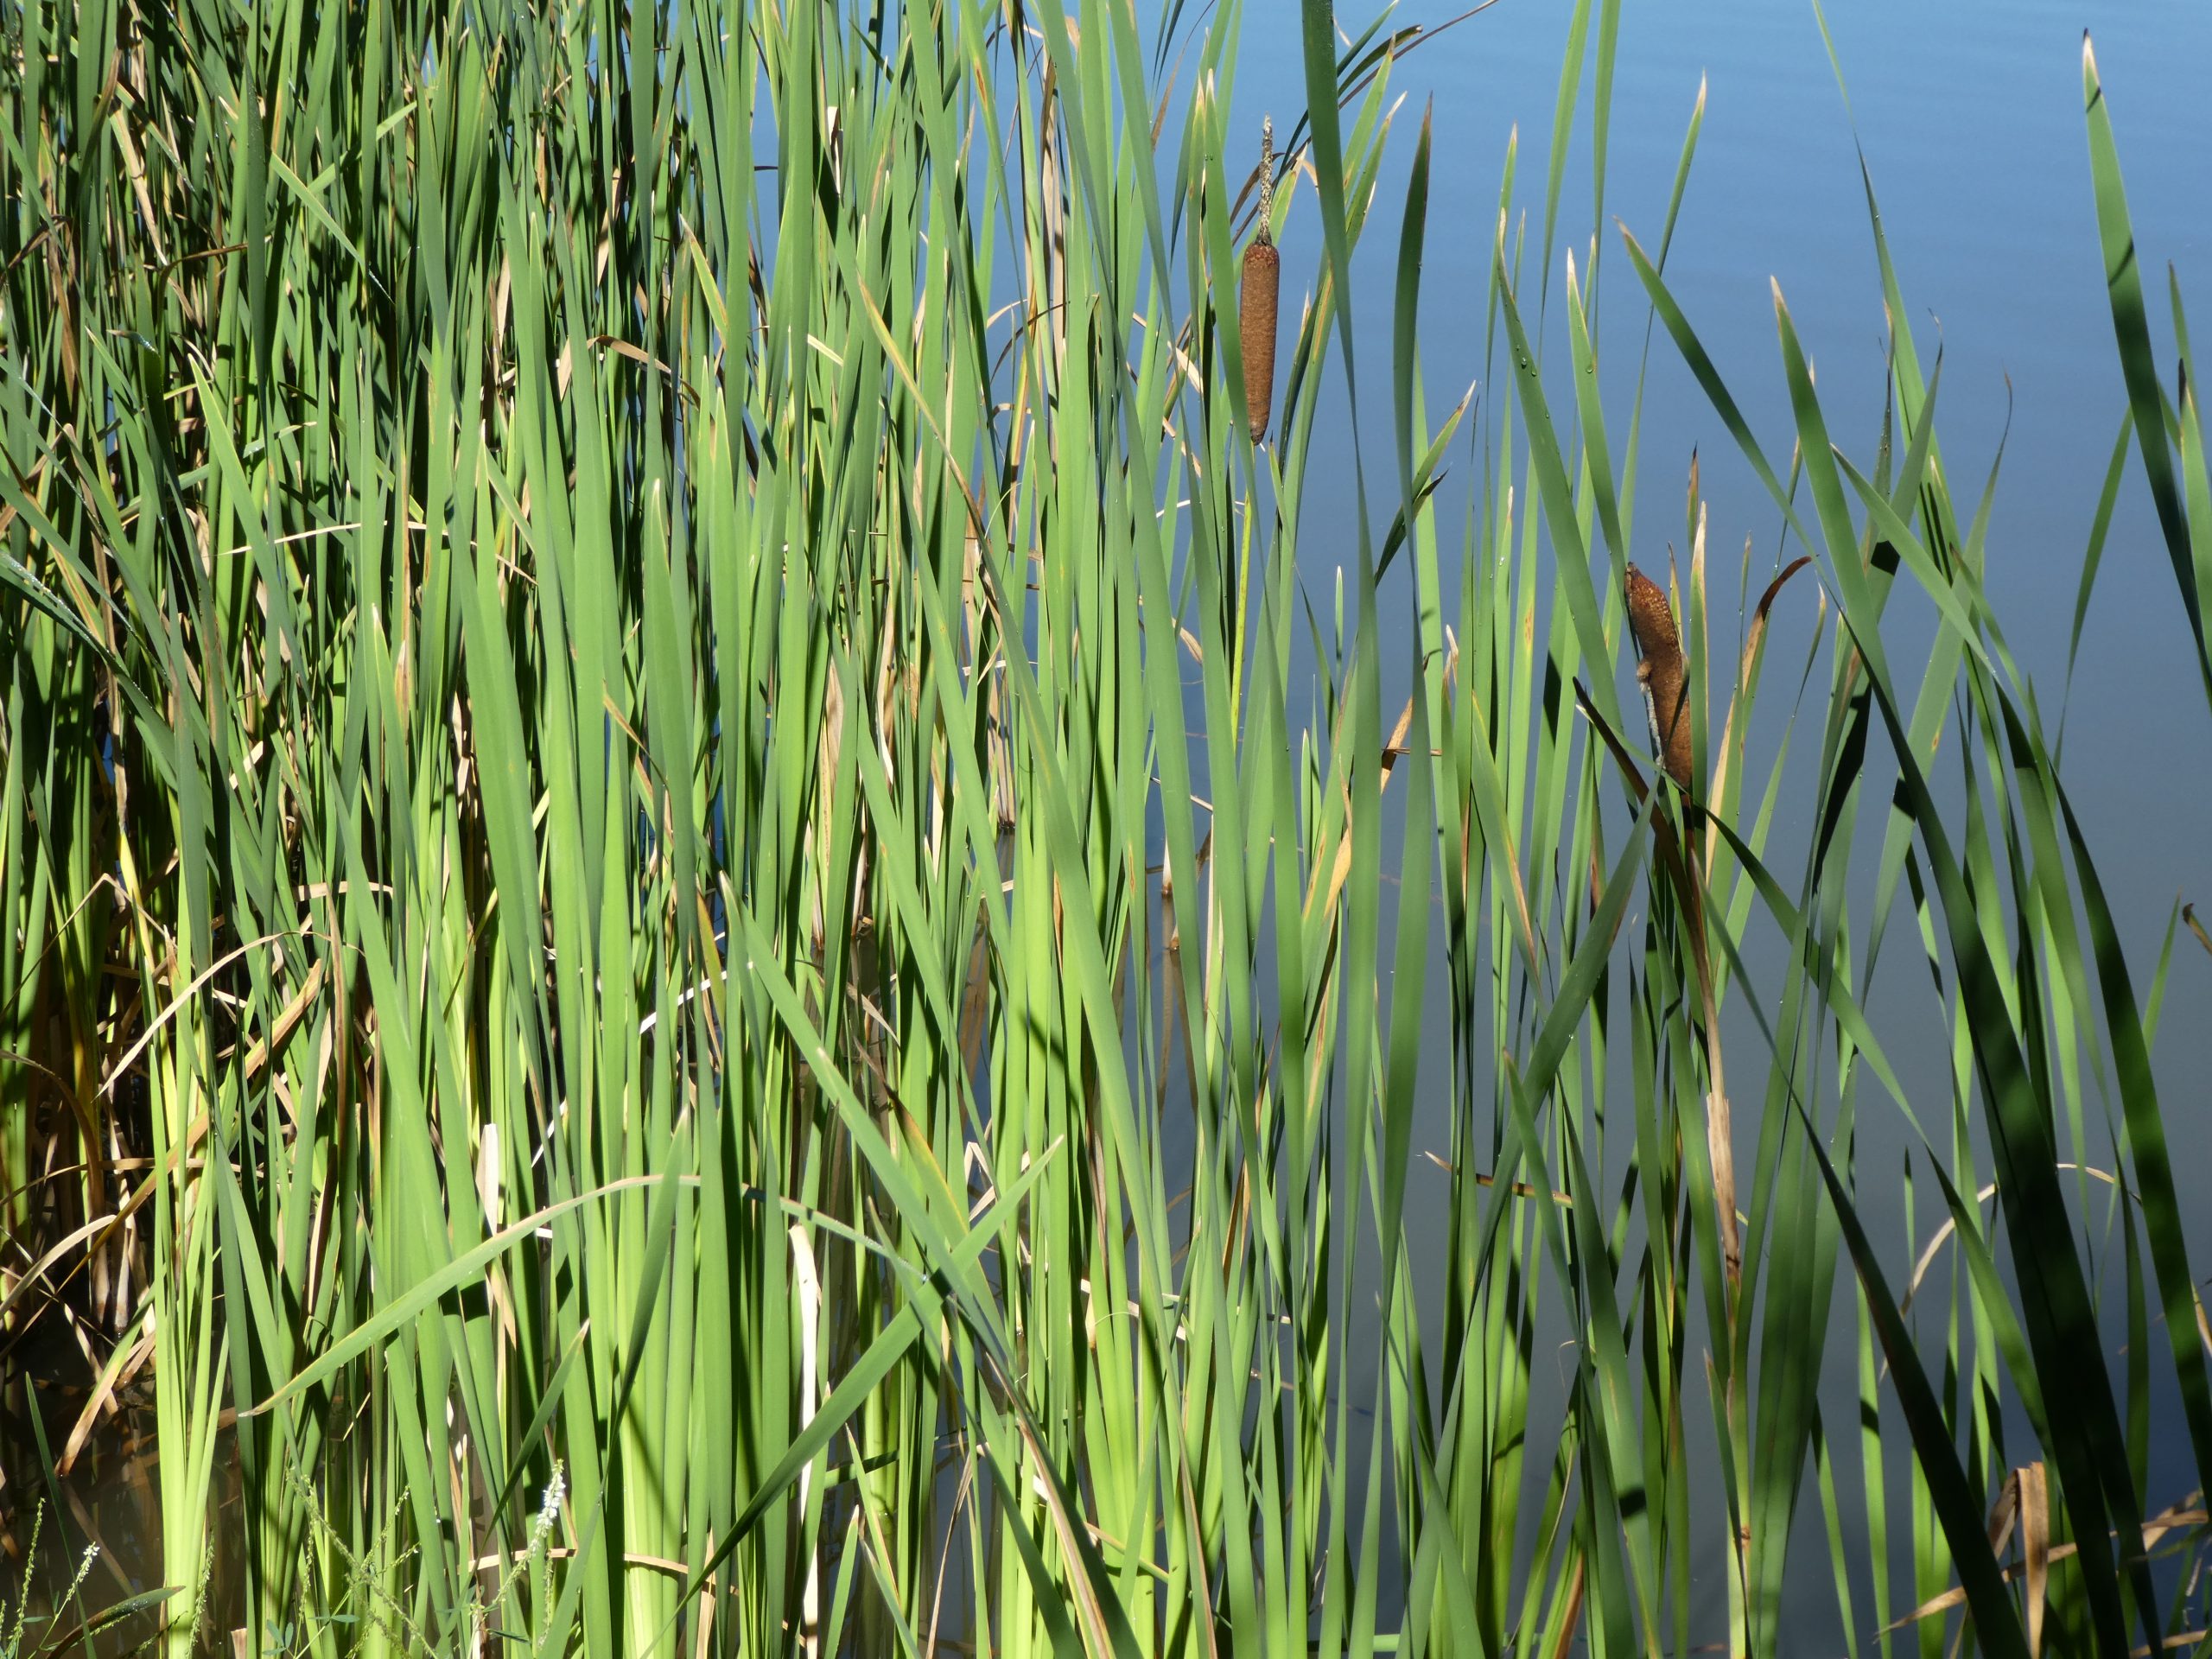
x: 1256, y: 299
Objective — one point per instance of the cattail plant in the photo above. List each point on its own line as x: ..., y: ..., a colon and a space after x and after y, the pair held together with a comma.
x: 1660, y: 673
x: 1256, y: 299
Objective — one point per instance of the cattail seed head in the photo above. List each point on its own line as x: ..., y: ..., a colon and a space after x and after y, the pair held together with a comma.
x: 1666, y: 686
x: 1263, y: 273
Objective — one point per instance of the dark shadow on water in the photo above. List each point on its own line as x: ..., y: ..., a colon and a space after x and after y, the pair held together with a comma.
x: 80, y: 1547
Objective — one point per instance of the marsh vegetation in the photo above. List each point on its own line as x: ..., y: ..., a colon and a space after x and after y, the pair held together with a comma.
x: 717, y: 935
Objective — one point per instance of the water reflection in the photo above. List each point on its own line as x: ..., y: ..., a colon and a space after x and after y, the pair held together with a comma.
x: 80, y: 1552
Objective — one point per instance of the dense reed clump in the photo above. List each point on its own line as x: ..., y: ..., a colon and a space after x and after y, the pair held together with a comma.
x: 710, y: 944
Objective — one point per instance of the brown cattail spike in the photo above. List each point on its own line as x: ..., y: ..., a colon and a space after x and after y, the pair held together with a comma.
x: 1665, y: 686
x: 1256, y: 300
